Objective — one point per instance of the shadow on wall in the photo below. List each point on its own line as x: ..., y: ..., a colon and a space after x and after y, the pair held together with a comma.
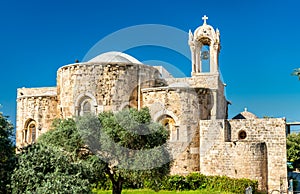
x: 206, y: 102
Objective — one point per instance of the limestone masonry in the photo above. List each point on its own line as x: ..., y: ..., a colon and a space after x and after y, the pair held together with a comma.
x: 193, y: 109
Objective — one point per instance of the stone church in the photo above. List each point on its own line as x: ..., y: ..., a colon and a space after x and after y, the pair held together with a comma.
x: 194, y: 109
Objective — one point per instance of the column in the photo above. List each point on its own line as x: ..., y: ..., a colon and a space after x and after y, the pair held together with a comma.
x: 213, y: 112
x: 198, y: 59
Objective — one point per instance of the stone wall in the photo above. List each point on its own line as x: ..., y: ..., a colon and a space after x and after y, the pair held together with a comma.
x: 187, y: 100
x: 261, y: 155
x: 216, y: 98
x: 30, y: 92
x: 111, y: 86
x: 222, y: 106
x: 182, y: 104
x: 35, y: 104
x: 202, y: 80
x: 272, y: 131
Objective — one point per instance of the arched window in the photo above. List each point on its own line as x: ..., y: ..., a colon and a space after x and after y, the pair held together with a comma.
x: 169, y: 123
x: 85, y: 107
x: 29, y: 134
x: 205, y: 58
x: 86, y: 104
x: 32, y: 131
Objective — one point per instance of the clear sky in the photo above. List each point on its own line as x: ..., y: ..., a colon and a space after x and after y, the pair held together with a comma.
x: 259, y: 38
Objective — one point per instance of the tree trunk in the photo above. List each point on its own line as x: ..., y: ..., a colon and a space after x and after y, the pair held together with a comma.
x: 117, y: 187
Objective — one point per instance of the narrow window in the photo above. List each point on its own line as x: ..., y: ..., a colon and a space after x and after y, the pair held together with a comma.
x: 188, y: 131
x: 205, y: 58
x: 177, y: 132
x: 29, y: 132
x: 86, y: 108
x: 25, y: 136
x: 32, y: 130
x: 167, y: 126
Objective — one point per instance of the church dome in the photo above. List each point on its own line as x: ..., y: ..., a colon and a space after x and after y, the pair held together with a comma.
x: 245, y: 115
x: 116, y: 57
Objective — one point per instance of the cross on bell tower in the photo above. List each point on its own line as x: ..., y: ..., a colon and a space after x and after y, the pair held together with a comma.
x: 204, y: 18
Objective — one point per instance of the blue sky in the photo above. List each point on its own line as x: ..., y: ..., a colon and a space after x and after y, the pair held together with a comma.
x: 260, y: 44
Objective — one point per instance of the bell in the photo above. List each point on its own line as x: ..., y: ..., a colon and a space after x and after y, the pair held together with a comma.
x: 205, y: 55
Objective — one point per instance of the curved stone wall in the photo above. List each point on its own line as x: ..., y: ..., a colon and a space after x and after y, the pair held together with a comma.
x: 110, y: 85
x: 182, y: 105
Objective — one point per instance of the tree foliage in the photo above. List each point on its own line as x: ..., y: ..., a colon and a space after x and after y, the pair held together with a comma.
x: 126, y: 147
x: 293, y: 148
x: 43, y: 169
x: 296, y: 72
x: 66, y: 137
x: 133, y: 147
x: 57, y: 163
x: 7, y: 153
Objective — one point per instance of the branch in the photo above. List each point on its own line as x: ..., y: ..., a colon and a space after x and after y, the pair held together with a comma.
x: 111, y: 175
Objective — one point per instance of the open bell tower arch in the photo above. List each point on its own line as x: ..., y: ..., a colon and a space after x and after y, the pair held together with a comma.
x: 205, y: 47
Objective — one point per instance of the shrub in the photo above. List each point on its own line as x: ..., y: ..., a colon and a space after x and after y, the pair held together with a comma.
x: 7, y: 153
x: 195, y: 181
x: 43, y: 169
x: 176, y: 182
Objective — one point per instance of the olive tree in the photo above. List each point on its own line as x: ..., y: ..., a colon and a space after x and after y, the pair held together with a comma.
x: 125, y: 147
x: 7, y: 153
x: 43, y: 169
x: 133, y: 147
x: 293, y: 148
x: 57, y: 163
x: 66, y: 137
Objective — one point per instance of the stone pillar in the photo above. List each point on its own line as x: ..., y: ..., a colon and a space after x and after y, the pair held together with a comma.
x: 213, y: 49
x: 198, y: 60
x: 76, y: 110
x: 192, y: 48
x: 213, y: 112
x: 211, y: 59
x: 193, y: 59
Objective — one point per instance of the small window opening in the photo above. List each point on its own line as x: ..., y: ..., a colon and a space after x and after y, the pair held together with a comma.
x: 177, y: 132
x: 32, y: 129
x: 86, y: 107
x: 242, y: 134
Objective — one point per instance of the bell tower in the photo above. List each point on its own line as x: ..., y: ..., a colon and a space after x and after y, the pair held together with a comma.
x: 205, y: 48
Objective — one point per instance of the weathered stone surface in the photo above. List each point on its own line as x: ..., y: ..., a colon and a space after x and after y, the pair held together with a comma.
x: 261, y: 155
x: 35, y: 104
x: 273, y: 133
